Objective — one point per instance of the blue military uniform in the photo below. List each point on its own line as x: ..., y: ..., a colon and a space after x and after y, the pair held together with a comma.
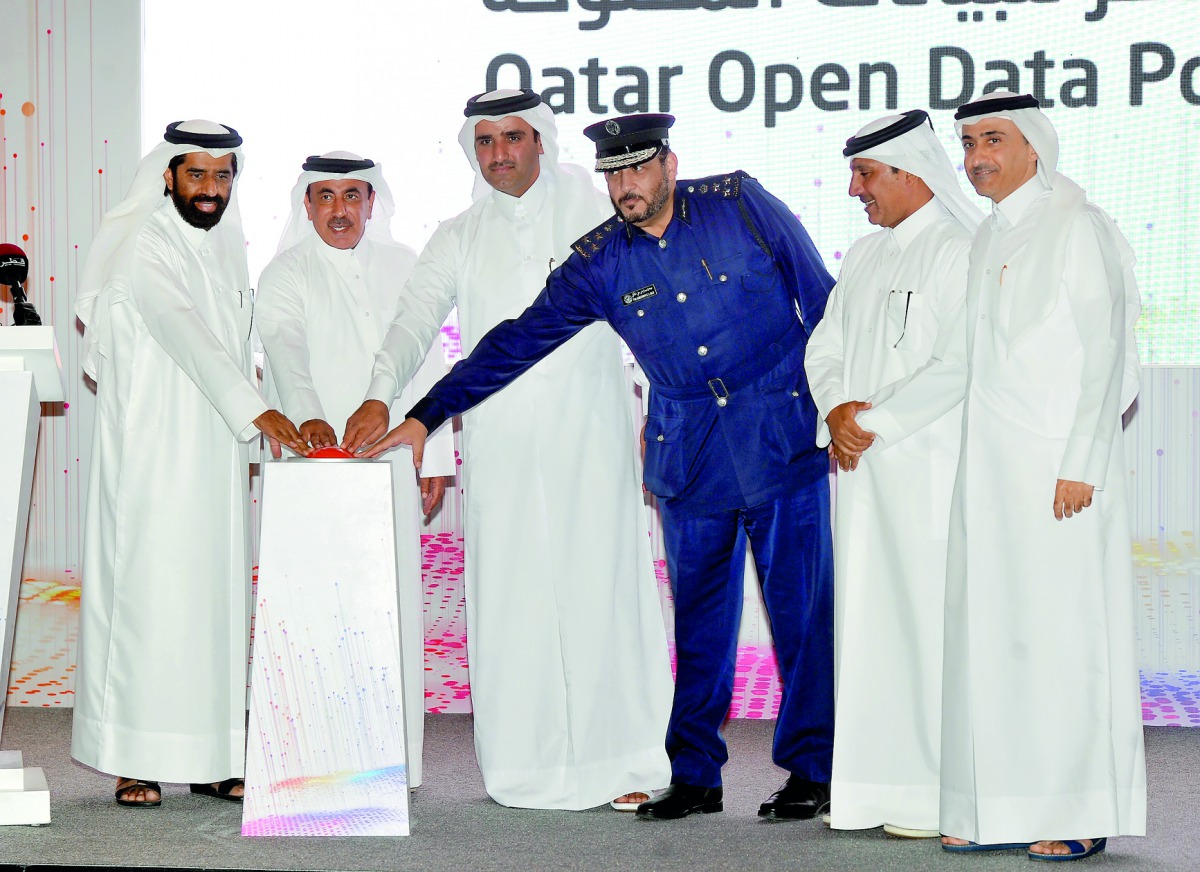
x: 717, y: 311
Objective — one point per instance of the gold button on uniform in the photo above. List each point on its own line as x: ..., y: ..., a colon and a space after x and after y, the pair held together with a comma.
x: 702, y: 350
x: 681, y: 296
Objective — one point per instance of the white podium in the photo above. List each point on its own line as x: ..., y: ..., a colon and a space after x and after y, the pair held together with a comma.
x: 30, y: 373
x: 326, y: 750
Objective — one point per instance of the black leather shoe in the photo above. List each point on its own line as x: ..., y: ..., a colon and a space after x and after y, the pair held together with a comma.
x: 798, y: 800
x: 680, y: 800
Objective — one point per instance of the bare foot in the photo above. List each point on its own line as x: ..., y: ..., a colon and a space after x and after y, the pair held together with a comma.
x: 127, y: 792
x: 951, y: 840
x: 638, y: 797
x: 1051, y: 847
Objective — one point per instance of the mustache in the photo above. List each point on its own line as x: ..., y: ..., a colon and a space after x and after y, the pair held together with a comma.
x: 206, y: 198
x: 497, y: 164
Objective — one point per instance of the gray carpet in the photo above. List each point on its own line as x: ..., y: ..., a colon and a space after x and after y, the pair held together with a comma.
x: 455, y: 825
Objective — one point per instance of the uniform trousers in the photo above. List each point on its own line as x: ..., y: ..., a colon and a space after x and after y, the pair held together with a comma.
x: 793, y: 553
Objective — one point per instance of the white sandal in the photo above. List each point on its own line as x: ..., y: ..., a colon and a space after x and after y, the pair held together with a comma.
x: 632, y: 806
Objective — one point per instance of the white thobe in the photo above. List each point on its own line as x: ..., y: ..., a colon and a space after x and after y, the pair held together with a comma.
x: 322, y: 312
x: 1041, y: 727
x: 164, y: 617
x: 896, y: 288
x: 570, y: 680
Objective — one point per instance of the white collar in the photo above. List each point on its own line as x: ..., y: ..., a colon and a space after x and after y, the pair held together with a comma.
x: 342, y: 258
x: 1011, y: 208
x: 911, y: 227
x: 196, y: 236
x: 529, y: 203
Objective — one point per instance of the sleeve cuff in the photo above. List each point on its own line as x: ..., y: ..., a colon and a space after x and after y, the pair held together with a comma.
x: 384, y: 389
x: 823, y: 437
x: 429, y: 412
x: 306, y: 408
x: 240, y: 406
x: 1085, y: 460
x: 883, y: 424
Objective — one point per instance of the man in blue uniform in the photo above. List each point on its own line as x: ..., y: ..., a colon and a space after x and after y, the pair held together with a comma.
x: 715, y: 286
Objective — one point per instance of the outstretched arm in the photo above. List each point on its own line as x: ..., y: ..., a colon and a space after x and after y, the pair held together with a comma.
x: 566, y: 305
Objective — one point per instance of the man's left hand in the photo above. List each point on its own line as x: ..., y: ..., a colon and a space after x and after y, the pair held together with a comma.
x: 1071, y: 498
x: 410, y: 432
x: 847, y: 461
x: 432, y: 491
x: 318, y: 433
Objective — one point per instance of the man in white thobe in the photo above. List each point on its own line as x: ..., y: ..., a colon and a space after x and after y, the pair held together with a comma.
x: 570, y: 679
x: 1041, y: 726
x: 164, y: 617
x: 324, y: 305
x: 898, y: 287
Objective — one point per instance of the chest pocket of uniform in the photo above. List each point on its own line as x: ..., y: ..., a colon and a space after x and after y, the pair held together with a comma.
x: 666, y: 465
x: 640, y: 321
x: 754, y: 272
x: 905, y: 320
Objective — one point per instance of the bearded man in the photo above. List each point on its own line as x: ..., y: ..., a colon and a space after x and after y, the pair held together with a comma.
x: 165, y: 611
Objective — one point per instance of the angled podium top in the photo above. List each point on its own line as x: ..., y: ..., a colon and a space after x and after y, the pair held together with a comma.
x: 34, y: 349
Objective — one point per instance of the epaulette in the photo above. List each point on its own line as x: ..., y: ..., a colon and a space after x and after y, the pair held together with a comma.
x: 594, y: 239
x: 727, y: 185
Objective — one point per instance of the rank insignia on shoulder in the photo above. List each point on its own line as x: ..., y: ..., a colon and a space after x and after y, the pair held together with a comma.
x: 727, y: 186
x: 593, y: 240
x: 640, y: 294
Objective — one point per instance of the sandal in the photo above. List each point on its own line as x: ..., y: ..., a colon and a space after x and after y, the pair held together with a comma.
x: 1078, y: 852
x: 975, y: 847
x: 224, y: 790
x: 632, y: 806
x: 127, y: 787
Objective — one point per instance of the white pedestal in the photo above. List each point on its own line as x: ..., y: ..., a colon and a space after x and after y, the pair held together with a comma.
x: 34, y: 349
x: 18, y: 444
x: 29, y: 364
x: 24, y: 794
x: 326, y: 752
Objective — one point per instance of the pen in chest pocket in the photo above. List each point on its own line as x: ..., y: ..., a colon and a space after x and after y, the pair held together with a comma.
x: 907, y: 302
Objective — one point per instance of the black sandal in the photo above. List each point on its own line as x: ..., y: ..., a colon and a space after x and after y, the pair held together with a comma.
x: 224, y: 790
x: 129, y: 786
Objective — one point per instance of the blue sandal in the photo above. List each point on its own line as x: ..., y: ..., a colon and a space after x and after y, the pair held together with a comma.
x: 975, y: 847
x: 1078, y: 852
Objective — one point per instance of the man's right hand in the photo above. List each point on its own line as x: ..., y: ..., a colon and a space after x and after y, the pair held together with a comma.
x: 365, y: 426
x: 318, y: 433
x: 848, y: 437
x: 280, y: 430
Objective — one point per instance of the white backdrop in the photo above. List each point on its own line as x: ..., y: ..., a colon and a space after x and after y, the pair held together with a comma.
x: 389, y: 80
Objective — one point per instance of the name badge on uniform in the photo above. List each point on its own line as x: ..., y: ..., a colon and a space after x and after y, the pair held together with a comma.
x: 639, y: 295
